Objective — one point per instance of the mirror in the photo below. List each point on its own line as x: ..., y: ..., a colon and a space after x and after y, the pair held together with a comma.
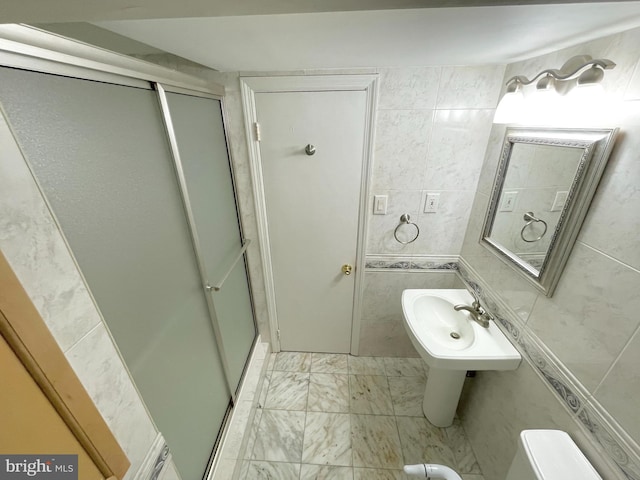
x: 544, y: 184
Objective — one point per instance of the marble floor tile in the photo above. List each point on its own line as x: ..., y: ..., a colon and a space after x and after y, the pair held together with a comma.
x: 329, y: 363
x: 293, y: 362
x: 327, y: 439
x: 280, y: 436
x: 407, y: 394
x: 328, y: 392
x: 287, y: 391
x: 370, y: 394
x: 465, y: 458
x: 324, y: 423
x: 423, y: 443
x: 404, y: 367
x: 375, y: 442
x: 378, y: 474
x: 366, y: 365
x: 325, y: 472
x: 272, y: 471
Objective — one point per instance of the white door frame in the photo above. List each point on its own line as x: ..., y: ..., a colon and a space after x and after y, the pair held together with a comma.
x: 309, y: 83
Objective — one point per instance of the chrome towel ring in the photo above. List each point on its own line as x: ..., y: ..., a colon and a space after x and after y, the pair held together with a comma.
x: 405, y: 220
x: 530, y: 218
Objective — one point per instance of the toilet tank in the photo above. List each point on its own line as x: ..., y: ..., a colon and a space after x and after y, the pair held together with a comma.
x: 549, y: 455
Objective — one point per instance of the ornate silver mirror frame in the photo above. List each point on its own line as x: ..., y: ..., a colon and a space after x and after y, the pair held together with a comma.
x: 544, y: 184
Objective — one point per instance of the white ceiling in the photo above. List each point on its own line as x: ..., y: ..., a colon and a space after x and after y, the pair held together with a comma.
x: 433, y: 36
x: 58, y: 11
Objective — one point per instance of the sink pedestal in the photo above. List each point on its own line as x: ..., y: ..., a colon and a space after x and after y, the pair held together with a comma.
x: 451, y: 343
x: 442, y: 394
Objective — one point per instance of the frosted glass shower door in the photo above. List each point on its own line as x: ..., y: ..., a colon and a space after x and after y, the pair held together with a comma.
x: 201, y: 143
x: 101, y: 156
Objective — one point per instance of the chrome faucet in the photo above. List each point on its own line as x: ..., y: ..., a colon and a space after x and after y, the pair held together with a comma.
x: 478, y: 313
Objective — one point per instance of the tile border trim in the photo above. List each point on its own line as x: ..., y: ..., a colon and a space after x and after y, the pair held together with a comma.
x: 603, y: 430
x: 415, y: 263
x: 156, y: 460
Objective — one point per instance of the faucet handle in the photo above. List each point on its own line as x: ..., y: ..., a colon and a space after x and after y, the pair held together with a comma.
x: 476, y: 298
x: 475, y: 295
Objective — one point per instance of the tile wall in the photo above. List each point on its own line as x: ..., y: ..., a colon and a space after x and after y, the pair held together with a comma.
x: 382, y: 330
x: 432, y: 128
x: 582, y: 345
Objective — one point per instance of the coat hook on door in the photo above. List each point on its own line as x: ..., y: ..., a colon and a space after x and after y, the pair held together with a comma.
x: 310, y: 149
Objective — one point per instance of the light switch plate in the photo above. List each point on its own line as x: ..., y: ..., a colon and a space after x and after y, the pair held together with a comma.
x: 380, y: 204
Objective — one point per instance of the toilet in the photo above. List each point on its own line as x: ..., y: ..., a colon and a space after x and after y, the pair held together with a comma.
x: 541, y: 455
x: 549, y: 455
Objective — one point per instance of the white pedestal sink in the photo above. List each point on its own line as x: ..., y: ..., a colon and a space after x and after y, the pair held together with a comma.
x: 451, y: 343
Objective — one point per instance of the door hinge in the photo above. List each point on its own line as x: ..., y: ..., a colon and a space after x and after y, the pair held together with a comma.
x: 256, y: 131
x: 278, y: 334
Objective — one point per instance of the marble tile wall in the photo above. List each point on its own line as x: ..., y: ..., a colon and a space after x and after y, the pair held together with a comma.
x: 382, y: 331
x: 35, y: 249
x: 433, y: 124
x: 587, y: 334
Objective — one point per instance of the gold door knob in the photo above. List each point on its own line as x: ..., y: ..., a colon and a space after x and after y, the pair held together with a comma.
x: 346, y: 269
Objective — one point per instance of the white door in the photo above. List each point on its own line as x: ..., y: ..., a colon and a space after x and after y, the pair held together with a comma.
x: 312, y: 205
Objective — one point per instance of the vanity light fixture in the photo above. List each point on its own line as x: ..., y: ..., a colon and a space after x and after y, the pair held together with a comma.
x: 578, y: 71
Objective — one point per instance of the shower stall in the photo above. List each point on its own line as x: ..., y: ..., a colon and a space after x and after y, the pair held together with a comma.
x: 137, y: 173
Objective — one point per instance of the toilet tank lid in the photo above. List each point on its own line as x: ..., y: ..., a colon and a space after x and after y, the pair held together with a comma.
x: 553, y: 455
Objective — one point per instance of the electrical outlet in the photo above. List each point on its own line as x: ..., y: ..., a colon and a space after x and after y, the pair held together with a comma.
x: 508, y: 201
x: 431, y: 203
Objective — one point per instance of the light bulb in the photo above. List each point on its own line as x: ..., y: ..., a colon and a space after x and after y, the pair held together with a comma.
x: 509, y: 108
